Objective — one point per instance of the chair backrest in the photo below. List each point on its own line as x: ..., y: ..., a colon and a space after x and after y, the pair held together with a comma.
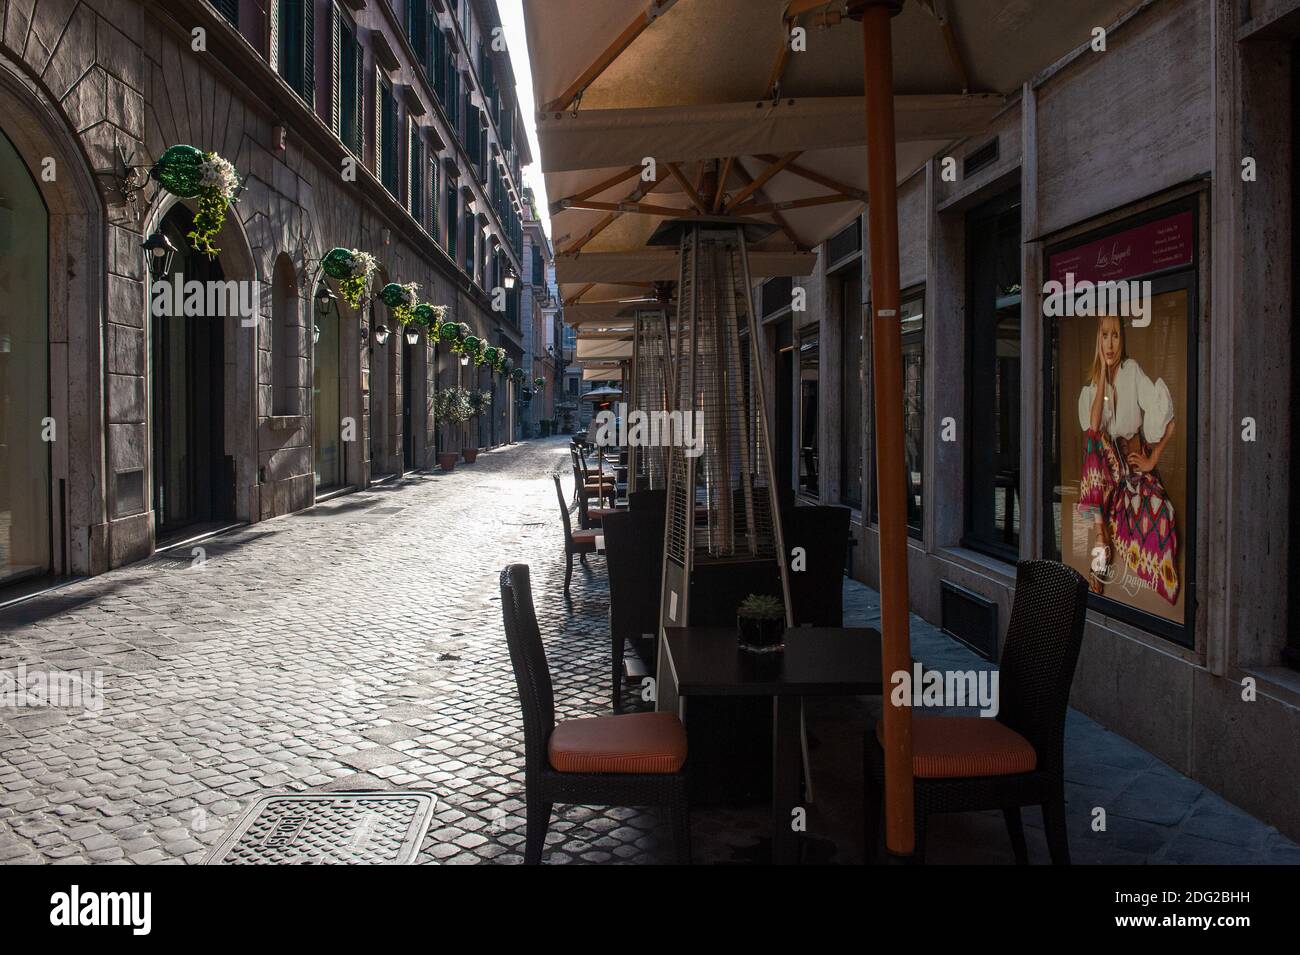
x: 564, y: 511
x: 528, y: 658
x: 634, y: 550
x: 817, y: 591
x: 651, y: 498
x: 1040, y: 653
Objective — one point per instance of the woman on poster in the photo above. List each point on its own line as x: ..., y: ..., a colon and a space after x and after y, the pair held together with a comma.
x: 1127, y: 422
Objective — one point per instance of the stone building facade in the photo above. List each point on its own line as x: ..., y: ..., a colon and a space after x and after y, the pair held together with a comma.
x: 391, y: 128
x: 1168, y: 157
x: 541, y: 318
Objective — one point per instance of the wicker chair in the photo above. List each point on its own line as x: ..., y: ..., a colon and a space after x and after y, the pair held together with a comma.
x: 635, y: 759
x: 634, y: 550
x: 581, y: 542
x: 971, y: 763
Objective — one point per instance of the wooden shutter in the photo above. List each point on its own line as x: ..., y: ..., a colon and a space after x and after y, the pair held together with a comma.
x: 228, y: 9
x: 379, y: 123
x: 435, y: 197
x: 273, y: 54
x: 308, y: 78
x: 359, y: 95
x: 336, y: 73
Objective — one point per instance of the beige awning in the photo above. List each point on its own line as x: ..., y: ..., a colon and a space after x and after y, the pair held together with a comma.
x: 602, y: 373
x: 604, y: 349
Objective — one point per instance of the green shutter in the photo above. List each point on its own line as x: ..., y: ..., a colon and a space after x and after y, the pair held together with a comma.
x: 358, y: 96
x: 336, y: 73
x: 379, y: 123
x: 307, y: 78
x: 274, y: 52
x: 435, y: 198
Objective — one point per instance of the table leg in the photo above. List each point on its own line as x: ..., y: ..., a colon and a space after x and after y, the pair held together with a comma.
x: 785, y: 778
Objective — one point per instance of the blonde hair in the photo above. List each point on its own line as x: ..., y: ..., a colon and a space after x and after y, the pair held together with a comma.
x: 1098, y: 367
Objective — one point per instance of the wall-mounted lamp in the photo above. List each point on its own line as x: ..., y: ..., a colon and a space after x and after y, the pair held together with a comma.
x: 279, y: 137
x: 381, y: 334
x: 412, y: 335
x: 464, y: 359
x: 510, y: 278
x: 324, y: 299
x: 160, y: 250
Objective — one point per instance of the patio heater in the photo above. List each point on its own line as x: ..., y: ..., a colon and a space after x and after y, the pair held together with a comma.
x: 735, y: 545
x: 648, y: 393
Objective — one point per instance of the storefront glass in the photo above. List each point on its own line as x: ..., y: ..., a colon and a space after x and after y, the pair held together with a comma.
x: 1121, y: 392
x: 993, y: 379
x: 852, y: 397
x: 809, y: 370
x: 24, y: 372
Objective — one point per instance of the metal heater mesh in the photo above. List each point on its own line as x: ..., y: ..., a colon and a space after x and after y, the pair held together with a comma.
x: 652, y: 392
x: 731, y: 480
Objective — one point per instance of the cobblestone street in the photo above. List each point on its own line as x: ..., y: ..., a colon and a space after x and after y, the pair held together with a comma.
x: 359, y: 645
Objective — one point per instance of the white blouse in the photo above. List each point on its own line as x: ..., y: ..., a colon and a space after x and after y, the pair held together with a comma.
x: 1133, y: 401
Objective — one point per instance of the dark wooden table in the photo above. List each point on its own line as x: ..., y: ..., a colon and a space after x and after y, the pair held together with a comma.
x: 818, y: 661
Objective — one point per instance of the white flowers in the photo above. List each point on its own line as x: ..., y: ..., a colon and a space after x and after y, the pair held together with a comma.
x: 218, y: 176
x: 409, y: 292
x: 363, y: 263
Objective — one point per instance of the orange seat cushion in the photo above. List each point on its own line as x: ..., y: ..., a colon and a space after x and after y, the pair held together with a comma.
x: 596, y: 513
x: 586, y: 536
x: 630, y: 743
x: 957, y: 747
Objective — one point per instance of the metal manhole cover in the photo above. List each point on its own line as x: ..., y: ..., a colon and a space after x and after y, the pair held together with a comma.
x: 344, y: 828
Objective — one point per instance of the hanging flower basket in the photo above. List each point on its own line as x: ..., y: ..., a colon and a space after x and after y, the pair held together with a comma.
x: 490, y: 356
x: 430, y: 316
x: 517, y: 376
x: 353, y: 269
x: 539, y: 383
x: 188, y: 173
x: 504, y: 361
x: 402, y: 299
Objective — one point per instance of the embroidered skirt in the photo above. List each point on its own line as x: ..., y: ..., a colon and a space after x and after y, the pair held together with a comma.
x: 1136, y: 509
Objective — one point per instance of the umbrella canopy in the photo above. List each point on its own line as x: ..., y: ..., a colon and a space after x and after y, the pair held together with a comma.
x: 689, y: 83
x: 603, y: 394
x: 663, y: 109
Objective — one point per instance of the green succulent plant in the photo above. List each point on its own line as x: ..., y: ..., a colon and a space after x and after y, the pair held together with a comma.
x: 761, y: 607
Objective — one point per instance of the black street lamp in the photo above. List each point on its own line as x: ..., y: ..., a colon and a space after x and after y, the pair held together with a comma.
x: 160, y: 250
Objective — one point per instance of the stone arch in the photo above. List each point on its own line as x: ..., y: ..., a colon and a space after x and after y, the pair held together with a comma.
x: 242, y: 335
x: 80, y: 474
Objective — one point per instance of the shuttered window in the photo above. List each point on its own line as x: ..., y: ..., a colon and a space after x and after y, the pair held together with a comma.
x: 452, y: 220
x: 293, y: 45
x: 385, y: 133
x: 346, y: 76
x: 228, y: 9
x: 435, y: 197
x: 415, y: 175
x: 417, y: 16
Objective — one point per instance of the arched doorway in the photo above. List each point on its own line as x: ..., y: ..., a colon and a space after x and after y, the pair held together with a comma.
x: 193, y: 477
x: 383, y: 339
x: 25, y: 435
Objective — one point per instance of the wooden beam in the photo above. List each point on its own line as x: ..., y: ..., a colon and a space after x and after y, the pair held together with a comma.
x: 607, y: 56
x: 600, y: 187
x: 776, y: 215
x: 762, y: 208
x: 757, y: 182
x: 640, y: 208
x: 803, y: 172
x: 795, y: 7
x: 954, y: 53
x: 722, y: 183
x: 691, y: 193
x: 573, y: 299
x: 637, y: 193
x: 782, y: 57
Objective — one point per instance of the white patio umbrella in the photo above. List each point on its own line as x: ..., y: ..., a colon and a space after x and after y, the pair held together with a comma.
x: 706, y: 100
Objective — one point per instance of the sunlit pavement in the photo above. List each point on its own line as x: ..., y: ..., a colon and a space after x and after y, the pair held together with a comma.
x: 359, y: 646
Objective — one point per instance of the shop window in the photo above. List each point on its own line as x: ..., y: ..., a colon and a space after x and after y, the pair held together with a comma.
x: 809, y: 371
x: 1120, y: 416
x: 346, y: 80
x: 993, y: 505
x: 852, y: 396
x: 1292, y: 651
x: 912, y: 331
x: 293, y: 42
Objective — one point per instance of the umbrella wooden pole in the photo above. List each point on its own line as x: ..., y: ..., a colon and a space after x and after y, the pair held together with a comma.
x: 887, y: 377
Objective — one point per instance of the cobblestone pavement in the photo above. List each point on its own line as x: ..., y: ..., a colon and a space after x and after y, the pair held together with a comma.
x: 359, y: 646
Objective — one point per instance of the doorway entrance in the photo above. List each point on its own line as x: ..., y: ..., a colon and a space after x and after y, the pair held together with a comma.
x: 25, y: 545
x: 408, y: 386
x: 193, y: 477
x: 326, y: 405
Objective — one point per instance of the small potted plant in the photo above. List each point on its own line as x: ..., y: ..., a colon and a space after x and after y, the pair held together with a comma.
x: 451, y: 405
x: 479, y: 401
x: 760, y: 624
